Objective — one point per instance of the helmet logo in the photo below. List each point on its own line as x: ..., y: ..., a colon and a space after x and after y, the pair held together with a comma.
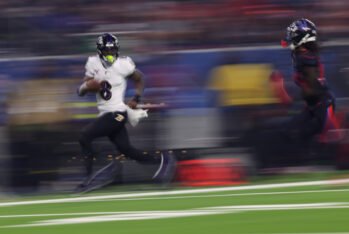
x: 109, y: 44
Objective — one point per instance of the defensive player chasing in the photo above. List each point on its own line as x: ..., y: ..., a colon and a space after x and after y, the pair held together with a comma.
x: 106, y: 75
x: 301, y: 37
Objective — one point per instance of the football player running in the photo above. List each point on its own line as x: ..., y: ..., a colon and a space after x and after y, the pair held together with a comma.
x: 106, y: 75
x: 318, y: 113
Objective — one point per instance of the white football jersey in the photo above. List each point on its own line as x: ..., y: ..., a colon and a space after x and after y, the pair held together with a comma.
x: 115, y: 75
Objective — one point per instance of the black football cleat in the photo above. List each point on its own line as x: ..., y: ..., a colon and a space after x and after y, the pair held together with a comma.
x: 103, y: 177
x: 167, y: 168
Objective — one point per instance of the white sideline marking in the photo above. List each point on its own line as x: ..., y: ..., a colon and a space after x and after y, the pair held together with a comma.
x: 225, y: 195
x: 146, y: 215
x: 62, y: 214
x: 177, y: 197
x: 162, y: 198
x: 177, y: 192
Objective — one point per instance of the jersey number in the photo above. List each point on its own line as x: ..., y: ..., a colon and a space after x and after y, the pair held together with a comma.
x: 105, y: 90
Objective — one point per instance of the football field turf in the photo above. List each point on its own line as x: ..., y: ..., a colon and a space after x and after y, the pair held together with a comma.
x: 302, y: 207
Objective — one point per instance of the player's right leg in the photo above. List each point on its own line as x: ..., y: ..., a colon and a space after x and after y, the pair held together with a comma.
x: 101, y: 178
x: 167, y: 160
x: 102, y: 126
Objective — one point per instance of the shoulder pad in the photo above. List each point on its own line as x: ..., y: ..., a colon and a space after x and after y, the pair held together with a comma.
x: 127, y: 64
x: 92, y: 60
x: 90, y: 66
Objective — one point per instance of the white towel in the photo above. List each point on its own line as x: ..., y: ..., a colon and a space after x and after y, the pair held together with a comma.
x: 135, y: 115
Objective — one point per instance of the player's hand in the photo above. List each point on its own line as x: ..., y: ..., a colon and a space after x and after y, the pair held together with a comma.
x: 132, y: 104
x: 134, y: 101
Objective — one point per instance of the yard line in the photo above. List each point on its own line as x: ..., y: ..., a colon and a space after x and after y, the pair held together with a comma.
x: 176, y: 192
x: 146, y: 215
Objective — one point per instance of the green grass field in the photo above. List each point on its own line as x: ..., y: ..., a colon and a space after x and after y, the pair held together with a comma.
x: 252, y: 208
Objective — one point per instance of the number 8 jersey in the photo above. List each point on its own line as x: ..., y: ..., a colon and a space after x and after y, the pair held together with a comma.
x: 114, y: 82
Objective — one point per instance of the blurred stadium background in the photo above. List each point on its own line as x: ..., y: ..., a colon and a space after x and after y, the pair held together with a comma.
x: 207, y: 65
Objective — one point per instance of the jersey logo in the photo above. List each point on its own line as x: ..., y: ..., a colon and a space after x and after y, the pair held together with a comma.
x: 119, y: 118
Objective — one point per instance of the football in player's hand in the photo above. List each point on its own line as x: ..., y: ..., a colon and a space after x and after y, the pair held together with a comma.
x: 93, y: 85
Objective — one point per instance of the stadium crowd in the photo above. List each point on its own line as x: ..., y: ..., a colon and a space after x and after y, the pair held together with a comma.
x: 39, y: 27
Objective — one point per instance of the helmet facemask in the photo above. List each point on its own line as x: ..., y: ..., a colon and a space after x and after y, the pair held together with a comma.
x: 108, y: 48
x: 109, y: 53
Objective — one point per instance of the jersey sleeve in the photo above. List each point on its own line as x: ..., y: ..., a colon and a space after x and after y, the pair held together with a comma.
x: 89, y: 68
x: 129, y: 66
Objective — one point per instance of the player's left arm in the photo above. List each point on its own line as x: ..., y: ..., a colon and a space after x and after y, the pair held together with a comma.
x: 137, y: 78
